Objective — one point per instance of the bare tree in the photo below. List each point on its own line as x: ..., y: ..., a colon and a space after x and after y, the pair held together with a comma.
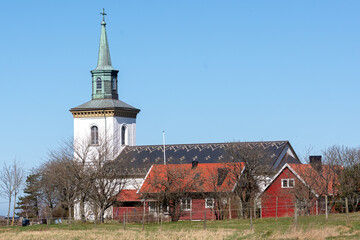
x: 59, y: 168
x: 7, y: 185
x: 82, y: 172
x: 48, y: 189
x: 251, y: 177
x: 171, y: 186
x: 82, y: 150
x: 347, y: 180
x: 107, y: 178
x: 321, y: 175
x: 219, y: 182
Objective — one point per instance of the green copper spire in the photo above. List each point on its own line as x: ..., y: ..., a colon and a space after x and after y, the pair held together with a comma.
x: 104, y: 60
x: 104, y: 76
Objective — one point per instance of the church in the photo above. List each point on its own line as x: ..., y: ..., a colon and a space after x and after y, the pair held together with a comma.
x: 106, y: 115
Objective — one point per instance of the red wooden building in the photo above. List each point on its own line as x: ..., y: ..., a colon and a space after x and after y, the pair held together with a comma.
x: 129, y: 203
x: 302, y: 184
x: 199, y: 188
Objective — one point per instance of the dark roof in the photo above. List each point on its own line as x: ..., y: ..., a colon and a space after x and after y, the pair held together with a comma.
x: 105, y: 104
x: 140, y: 158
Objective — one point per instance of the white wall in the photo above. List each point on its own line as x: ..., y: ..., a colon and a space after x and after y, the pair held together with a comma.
x: 111, y: 128
x: 107, y: 126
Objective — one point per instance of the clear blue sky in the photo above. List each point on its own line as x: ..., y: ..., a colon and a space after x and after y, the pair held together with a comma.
x: 203, y: 71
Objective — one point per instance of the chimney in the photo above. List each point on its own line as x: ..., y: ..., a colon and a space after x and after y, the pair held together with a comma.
x: 315, y: 162
x: 194, y: 164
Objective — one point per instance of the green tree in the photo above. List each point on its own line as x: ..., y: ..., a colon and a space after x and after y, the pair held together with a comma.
x: 29, y: 203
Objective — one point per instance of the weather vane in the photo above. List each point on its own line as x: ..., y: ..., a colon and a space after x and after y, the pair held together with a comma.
x: 103, y: 13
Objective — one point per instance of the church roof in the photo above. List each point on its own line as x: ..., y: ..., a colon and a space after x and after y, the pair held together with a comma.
x: 105, y: 104
x: 140, y: 158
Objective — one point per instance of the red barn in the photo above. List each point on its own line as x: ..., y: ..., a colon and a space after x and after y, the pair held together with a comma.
x: 303, y: 184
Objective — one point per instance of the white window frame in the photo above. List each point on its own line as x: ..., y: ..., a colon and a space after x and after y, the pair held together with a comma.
x: 152, y: 209
x: 209, y: 206
x: 186, y: 204
x: 287, y: 180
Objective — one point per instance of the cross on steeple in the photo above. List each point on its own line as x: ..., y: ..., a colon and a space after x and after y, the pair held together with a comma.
x: 103, y: 13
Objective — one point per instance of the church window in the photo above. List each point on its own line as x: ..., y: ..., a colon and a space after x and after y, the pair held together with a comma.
x: 94, y: 135
x: 98, y: 83
x: 123, y: 135
x: 114, y: 84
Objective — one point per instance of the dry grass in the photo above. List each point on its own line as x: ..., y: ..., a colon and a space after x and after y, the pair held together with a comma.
x: 311, y: 227
x: 116, y: 235
x: 318, y: 234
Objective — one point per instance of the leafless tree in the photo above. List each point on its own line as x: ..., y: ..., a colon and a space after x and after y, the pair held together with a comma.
x: 58, y: 171
x: 218, y: 185
x: 169, y: 186
x: 7, y: 185
x: 346, y: 182
x: 251, y: 178
x: 107, y: 178
x: 84, y: 173
x: 322, y: 177
x: 82, y: 152
x: 11, y: 180
x: 48, y: 189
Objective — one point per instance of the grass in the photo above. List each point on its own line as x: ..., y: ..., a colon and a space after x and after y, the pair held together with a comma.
x: 309, y: 227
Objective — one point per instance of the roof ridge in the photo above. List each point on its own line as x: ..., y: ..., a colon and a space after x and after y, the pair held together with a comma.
x: 183, y: 144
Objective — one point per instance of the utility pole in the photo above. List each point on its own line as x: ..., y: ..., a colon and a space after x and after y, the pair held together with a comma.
x: 164, y: 147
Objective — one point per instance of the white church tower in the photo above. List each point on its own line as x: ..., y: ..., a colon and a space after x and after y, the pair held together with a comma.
x: 105, y: 116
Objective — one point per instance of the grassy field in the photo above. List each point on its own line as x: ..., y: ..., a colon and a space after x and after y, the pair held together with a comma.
x: 311, y: 227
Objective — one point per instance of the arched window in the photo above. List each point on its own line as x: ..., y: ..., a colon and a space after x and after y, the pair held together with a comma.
x: 98, y: 83
x: 123, y: 135
x: 94, y: 135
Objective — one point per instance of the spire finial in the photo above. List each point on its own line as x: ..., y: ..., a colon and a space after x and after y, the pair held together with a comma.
x: 103, y: 13
x: 104, y: 61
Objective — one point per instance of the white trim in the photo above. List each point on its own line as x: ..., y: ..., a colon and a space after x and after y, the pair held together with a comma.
x: 181, y: 204
x: 302, y: 180
x: 290, y: 152
x: 287, y: 182
x: 150, y: 201
x: 213, y: 203
x: 138, y: 191
x: 281, y: 156
x: 239, y: 177
x: 292, y: 170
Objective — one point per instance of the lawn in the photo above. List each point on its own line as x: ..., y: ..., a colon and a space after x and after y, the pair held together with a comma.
x: 310, y: 227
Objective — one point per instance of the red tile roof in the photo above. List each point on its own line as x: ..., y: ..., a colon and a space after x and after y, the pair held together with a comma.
x: 206, y: 177
x: 322, y: 182
x: 128, y: 196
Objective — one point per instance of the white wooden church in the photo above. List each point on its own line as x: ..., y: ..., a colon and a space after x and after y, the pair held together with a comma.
x: 106, y: 115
